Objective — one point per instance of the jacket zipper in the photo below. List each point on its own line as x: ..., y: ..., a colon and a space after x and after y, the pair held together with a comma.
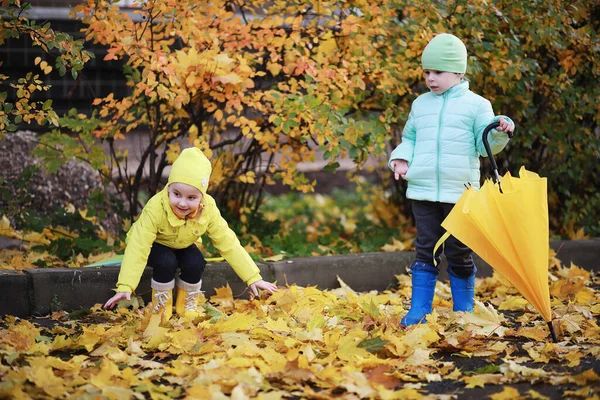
x: 185, y: 223
x: 440, y: 121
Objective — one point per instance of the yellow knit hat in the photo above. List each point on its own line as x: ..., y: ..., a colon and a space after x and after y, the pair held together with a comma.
x: 192, y: 168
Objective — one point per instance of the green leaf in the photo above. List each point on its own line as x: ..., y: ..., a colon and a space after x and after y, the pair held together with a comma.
x: 488, y: 369
x: 212, y: 312
x: 371, y: 308
x: 79, y: 314
x: 353, y: 153
x: 331, y: 167
x: 373, y: 345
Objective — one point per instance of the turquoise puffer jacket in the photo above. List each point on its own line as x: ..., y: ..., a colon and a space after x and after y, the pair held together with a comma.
x: 442, y: 142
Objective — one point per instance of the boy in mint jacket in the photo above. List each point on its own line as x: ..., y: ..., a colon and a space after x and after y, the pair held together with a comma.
x: 438, y: 156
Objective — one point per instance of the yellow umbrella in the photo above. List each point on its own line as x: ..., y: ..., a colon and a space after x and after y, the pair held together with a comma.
x: 507, y: 226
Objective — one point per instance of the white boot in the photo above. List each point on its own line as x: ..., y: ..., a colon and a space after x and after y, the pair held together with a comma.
x: 162, y: 298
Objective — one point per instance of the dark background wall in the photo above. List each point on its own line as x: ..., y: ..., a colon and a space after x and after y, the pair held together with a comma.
x: 98, y: 79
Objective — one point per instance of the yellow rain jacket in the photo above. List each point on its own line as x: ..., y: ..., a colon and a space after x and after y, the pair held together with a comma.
x: 158, y: 223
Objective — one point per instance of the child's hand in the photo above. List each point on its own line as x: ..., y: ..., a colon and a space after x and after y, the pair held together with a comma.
x: 268, y: 286
x: 400, y: 168
x: 116, y: 298
x: 505, y: 126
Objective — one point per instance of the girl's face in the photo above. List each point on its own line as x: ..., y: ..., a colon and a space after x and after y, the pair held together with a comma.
x: 184, y: 198
x: 439, y: 81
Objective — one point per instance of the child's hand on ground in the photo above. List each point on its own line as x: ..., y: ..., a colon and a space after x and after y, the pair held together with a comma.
x: 400, y: 168
x: 268, y: 286
x: 505, y: 126
x: 116, y: 298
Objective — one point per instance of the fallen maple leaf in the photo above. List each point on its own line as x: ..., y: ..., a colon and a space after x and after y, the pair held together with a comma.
x: 396, y: 245
x: 511, y: 367
x: 508, y: 393
x: 275, y: 258
x: 380, y: 375
x: 481, y: 380
x: 484, y: 320
x: 43, y: 377
x: 583, y: 378
x: 514, y: 303
x: 154, y: 334
x: 538, y: 333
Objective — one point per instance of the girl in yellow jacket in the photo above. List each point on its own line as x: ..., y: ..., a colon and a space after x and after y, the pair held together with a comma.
x: 165, y: 235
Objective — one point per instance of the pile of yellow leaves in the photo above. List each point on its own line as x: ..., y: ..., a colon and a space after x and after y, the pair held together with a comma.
x: 308, y: 343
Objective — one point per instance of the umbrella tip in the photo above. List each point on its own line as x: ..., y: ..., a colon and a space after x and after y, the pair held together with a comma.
x: 554, y: 339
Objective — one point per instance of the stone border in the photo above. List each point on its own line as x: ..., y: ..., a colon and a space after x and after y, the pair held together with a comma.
x: 36, y: 292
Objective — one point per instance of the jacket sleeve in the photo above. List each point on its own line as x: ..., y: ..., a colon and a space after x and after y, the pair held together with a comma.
x: 405, y: 150
x: 497, y: 139
x: 139, y: 242
x: 226, y: 241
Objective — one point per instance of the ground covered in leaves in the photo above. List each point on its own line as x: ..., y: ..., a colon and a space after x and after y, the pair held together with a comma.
x: 302, y: 342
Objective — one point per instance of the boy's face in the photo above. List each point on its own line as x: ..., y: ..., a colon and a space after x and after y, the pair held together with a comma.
x: 439, y: 81
x: 184, y: 198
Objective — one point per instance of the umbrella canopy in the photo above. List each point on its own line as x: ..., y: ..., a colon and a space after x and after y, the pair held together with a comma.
x: 506, y: 224
x: 509, y: 230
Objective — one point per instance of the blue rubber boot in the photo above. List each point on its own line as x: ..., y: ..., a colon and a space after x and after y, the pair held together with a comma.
x: 463, y: 290
x: 424, y: 278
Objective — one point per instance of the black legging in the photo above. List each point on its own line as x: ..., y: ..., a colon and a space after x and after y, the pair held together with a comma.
x: 428, y: 219
x: 165, y: 261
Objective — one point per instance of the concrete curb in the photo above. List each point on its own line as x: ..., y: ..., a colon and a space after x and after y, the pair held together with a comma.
x: 362, y: 272
x: 36, y: 292
x: 14, y: 294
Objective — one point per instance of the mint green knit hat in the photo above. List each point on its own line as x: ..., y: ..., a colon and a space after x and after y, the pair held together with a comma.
x: 445, y: 53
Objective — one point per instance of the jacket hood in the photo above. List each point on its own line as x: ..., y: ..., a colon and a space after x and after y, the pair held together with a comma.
x: 192, y: 168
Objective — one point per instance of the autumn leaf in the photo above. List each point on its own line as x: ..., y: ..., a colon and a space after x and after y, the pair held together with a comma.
x: 481, y: 380
x: 223, y: 295
x: 508, y: 393
x: 44, y: 378
x: 298, y: 335
x: 511, y: 368
x: 538, y: 333
x: 381, y: 375
x: 585, y: 377
x: 275, y: 258
x: 6, y: 230
x: 154, y: 334
x: 231, y: 78
x: 373, y: 345
x: 395, y: 246
x: 513, y: 303
x: 484, y: 320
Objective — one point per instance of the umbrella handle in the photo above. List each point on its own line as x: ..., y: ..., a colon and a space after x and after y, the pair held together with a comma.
x: 488, y: 149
